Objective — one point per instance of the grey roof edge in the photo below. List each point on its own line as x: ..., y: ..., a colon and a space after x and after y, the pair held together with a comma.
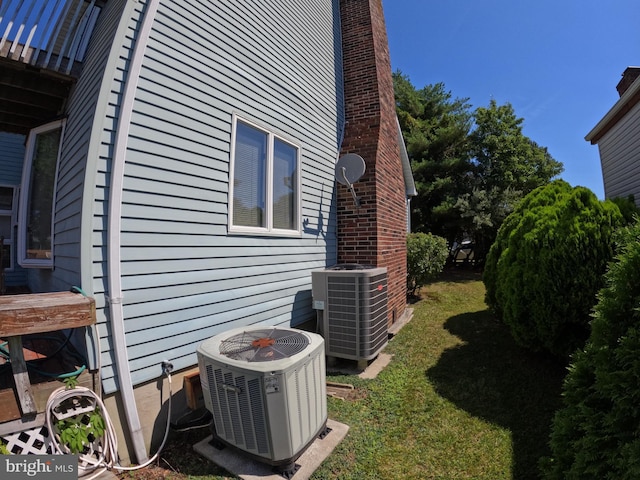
x: 615, y: 110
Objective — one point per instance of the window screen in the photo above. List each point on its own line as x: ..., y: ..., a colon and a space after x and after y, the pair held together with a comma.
x: 249, y: 177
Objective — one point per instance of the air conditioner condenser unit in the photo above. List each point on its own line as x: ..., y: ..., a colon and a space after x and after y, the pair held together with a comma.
x: 351, y: 303
x: 266, y: 389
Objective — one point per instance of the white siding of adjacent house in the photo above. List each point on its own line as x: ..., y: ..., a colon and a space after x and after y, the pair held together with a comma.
x: 620, y: 157
x: 184, y: 278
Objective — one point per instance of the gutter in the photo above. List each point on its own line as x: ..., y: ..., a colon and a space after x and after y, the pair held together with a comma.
x: 114, y: 238
x: 409, y: 184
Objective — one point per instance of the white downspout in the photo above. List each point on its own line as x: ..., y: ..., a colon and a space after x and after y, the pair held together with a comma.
x: 114, y: 240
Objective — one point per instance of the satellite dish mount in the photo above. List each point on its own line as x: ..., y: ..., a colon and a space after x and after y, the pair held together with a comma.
x: 349, y: 169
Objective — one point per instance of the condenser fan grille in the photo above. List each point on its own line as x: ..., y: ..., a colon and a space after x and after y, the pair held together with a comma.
x: 263, y: 345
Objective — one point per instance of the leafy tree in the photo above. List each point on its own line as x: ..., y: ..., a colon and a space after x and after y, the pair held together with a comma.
x: 595, y: 433
x: 470, y: 168
x: 546, y: 265
x: 508, y: 165
x: 436, y: 128
x: 504, y: 156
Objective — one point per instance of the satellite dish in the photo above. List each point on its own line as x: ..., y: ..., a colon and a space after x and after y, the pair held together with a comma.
x: 349, y: 169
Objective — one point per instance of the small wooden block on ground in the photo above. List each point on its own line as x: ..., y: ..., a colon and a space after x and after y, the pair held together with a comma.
x: 193, y: 390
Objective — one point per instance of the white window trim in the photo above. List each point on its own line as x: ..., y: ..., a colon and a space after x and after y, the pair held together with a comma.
x: 23, y: 261
x: 12, y: 221
x: 269, y: 229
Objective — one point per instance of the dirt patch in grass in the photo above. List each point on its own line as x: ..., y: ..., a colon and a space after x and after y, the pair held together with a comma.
x: 154, y: 473
x: 179, y: 461
x: 345, y: 392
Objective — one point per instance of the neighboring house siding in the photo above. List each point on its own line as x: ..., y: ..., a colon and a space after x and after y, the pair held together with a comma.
x: 184, y: 278
x: 11, y: 160
x: 620, y: 157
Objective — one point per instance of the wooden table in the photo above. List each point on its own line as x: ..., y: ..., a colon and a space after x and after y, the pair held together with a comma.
x: 38, y: 313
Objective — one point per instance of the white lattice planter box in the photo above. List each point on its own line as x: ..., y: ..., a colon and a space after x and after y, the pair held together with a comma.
x: 35, y: 441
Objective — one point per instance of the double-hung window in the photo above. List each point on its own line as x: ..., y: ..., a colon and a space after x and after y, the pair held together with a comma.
x: 37, y: 195
x: 265, y: 182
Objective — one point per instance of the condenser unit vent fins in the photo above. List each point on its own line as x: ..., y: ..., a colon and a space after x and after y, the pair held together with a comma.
x: 354, y: 319
x: 239, y: 418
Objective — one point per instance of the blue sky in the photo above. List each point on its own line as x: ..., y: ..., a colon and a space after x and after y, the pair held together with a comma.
x: 32, y: 11
x: 556, y: 61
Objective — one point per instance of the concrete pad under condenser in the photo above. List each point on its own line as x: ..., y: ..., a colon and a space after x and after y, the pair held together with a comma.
x: 341, y: 366
x: 401, y: 322
x: 248, y: 469
x: 375, y: 367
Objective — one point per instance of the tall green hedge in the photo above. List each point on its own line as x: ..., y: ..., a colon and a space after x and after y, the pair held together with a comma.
x: 596, y: 434
x: 546, y: 265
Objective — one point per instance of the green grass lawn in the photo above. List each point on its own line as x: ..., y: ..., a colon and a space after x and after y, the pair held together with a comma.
x: 458, y: 400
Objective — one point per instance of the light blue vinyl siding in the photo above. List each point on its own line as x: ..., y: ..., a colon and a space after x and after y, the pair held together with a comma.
x: 11, y: 160
x: 184, y: 278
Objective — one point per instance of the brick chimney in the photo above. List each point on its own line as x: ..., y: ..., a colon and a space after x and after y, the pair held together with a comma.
x: 375, y: 233
x: 628, y: 77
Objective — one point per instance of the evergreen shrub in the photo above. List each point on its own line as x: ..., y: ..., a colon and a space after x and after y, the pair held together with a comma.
x: 546, y: 265
x: 426, y: 256
x: 628, y: 208
x: 595, y: 435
